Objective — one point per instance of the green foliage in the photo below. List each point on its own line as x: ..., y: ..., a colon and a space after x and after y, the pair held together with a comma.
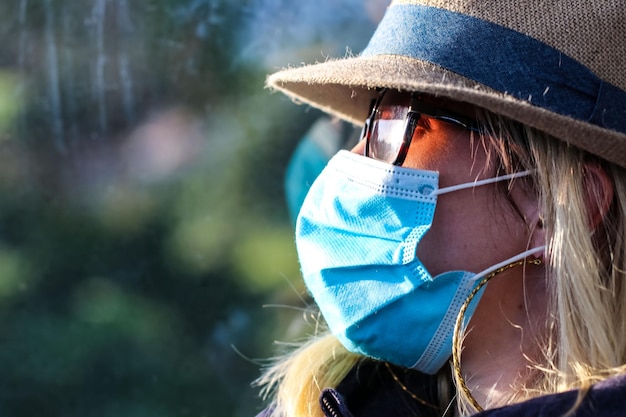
x: 142, y: 222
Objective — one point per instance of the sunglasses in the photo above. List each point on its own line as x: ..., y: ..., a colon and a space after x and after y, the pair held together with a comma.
x: 392, y: 121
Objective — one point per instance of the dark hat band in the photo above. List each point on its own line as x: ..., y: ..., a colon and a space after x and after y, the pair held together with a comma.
x: 501, y: 58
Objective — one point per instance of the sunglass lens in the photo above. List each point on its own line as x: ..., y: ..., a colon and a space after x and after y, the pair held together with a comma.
x: 386, y: 139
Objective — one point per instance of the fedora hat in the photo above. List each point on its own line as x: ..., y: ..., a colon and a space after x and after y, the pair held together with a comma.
x: 555, y: 65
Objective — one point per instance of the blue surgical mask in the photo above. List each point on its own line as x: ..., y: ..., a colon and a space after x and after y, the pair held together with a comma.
x: 357, y: 235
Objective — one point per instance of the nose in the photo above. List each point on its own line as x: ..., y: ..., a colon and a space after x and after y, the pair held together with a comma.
x: 359, y: 148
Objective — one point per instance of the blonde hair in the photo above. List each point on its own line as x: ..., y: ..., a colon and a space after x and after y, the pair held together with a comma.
x: 296, y: 380
x: 586, y: 340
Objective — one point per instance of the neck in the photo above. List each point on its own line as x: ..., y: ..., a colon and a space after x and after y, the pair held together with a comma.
x: 502, y: 340
x: 497, y: 382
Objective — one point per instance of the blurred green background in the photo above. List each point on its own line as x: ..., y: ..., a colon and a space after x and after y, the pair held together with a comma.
x: 143, y: 224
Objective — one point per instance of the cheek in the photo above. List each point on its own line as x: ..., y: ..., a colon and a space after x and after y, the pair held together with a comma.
x: 430, y: 153
x: 473, y: 230
x: 445, y: 149
x: 505, y: 231
x: 458, y: 159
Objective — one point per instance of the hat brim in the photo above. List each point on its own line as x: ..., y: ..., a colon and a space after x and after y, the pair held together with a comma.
x: 345, y: 88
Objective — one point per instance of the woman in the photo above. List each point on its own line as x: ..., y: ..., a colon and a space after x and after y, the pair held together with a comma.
x: 476, y: 233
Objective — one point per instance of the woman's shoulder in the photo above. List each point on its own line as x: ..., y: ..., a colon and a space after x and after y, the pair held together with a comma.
x: 604, y: 399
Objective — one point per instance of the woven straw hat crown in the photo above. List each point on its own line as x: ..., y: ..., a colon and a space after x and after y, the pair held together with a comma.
x: 556, y: 65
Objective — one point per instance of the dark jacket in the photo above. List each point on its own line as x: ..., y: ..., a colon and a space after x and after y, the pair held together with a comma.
x: 605, y: 399
x: 374, y: 389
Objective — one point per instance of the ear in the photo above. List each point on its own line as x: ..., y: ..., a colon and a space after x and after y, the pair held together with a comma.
x: 598, y: 193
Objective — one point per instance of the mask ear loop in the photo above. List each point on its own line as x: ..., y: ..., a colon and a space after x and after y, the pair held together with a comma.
x: 478, y: 183
x: 456, y: 337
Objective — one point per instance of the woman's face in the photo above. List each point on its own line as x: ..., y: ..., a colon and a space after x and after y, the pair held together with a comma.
x: 476, y: 228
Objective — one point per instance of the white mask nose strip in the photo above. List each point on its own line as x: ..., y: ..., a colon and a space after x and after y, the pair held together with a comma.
x: 482, y: 182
